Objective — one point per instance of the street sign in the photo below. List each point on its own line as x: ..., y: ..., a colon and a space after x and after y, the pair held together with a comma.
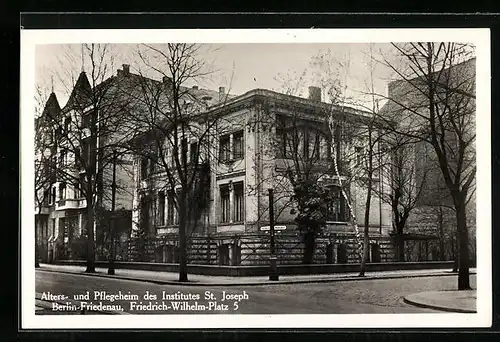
x: 266, y: 228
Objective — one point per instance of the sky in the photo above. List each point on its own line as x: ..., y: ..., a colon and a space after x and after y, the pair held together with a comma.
x: 238, y: 67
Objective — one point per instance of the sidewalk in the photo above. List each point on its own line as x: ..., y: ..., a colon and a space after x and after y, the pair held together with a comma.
x: 451, y: 301
x: 171, y: 278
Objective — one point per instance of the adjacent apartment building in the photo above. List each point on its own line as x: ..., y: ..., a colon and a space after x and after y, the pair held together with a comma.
x: 431, y: 232
x: 72, y: 145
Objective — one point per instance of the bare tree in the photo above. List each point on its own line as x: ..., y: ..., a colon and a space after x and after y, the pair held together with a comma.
x: 42, y: 175
x: 173, y: 136
x: 404, y: 183
x: 369, y: 132
x: 435, y: 102
x: 85, y: 133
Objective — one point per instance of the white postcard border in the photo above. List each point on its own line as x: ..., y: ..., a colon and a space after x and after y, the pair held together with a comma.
x: 480, y: 37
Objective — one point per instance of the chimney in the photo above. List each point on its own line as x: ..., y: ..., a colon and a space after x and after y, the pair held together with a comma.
x: 195, y: 87
x: 222, y: 92
x: 315, y: 94
x: 126, y: 69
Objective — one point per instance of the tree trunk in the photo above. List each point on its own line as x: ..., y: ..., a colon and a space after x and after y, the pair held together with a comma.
x: 309, y: 245
x: 90, y: 237
x: 463, y: 244
x: 441, y: 233
x: 454, y: 252
x: 366, y: 236
x: 401, y: 247
x: 37, y: 223
x: 183, y: 274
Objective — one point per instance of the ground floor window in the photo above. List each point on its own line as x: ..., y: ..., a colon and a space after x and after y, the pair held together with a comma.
x: 342, y: 257
x: 238, y: 202
x: 330, y: 257
x: 375, y: 252
x: 337, y: 209
x: 161, y: 208
x: 232, y: 203
x: 223, y: 254
x: 224, y: 204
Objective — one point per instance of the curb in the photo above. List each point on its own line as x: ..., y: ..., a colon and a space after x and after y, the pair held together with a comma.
x: 437, y: 307
x: 286, y: 282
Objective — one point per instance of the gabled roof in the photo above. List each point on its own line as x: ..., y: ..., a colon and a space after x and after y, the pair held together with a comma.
x: 52, y: 108
x: 82, y: 91
x: 80, y: 95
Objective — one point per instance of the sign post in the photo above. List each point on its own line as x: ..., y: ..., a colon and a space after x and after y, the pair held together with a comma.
x: 274, y: 267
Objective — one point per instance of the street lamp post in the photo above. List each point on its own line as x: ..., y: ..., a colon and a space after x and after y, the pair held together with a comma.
x: 274, y: 267
x: 111, y: 266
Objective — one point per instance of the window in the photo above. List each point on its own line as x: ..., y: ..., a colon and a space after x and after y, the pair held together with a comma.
x: 83, y: 184
x: 238, y: 202
x: 67, y: 124
x: 144, y: 213
x: 77, y: 158
x: 53, y: 195
x: 58, y: 133
x: 223, y: 252
x: 313, y: 139
x: 225, y: 203
x: 338, y: 136
x: 46, y: 197
x: 224, y: 148
x: 280, y: 138
x: 161, y: 208
x: 62, y: 191
x: 86, y: 121
x: 171, y: 216
x: 144, y: 167
x: 62, y: 158
x: 86, y: 151
x: 304, y: 139
x: 184, y: 151
x: 336, y: 209
x: 359, y: 155
x: 77, y: 189
x: 330, y: 257
x: 193, y: 153
x: 342, y: 254
x: 238, y: 145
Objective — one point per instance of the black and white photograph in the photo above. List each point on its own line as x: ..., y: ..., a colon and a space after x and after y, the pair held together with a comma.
x: 281, y: 178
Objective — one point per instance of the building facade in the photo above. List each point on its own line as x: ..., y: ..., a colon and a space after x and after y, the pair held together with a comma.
x: 63, y: 151
x: 260, y: 137
x: 431, y: 229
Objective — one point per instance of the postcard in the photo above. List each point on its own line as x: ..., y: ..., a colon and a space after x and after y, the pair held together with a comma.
x: 255, y: 178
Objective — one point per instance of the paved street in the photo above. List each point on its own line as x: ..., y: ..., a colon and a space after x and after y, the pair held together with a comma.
x: 342, y: 297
